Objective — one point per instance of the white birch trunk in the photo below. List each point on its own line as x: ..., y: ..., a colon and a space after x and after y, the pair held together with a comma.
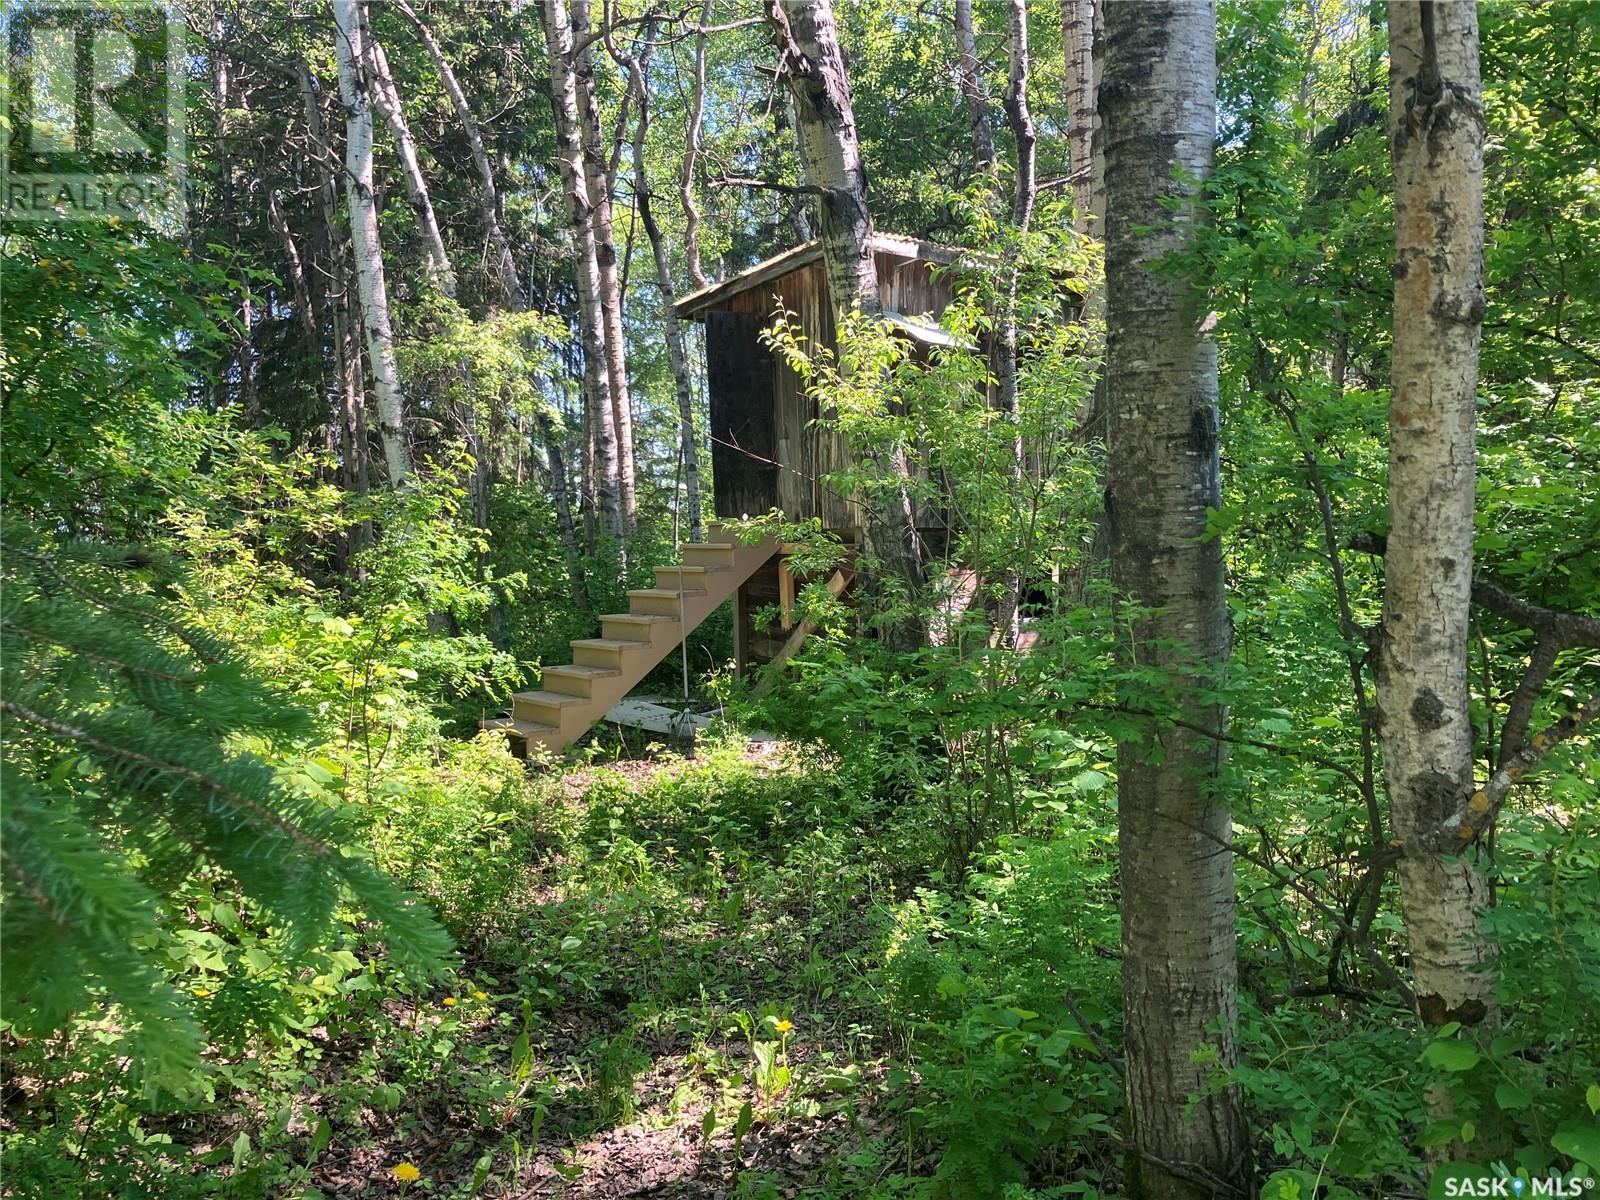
x: 610, y: 295
x: 580, y: 213
x: 831, y: 150
x: 970, y: 83
x: 386, y: 97
x: 1078, y: 22
x: 371, y: 287
x: 1180, y: 980
x: 1436, y: 144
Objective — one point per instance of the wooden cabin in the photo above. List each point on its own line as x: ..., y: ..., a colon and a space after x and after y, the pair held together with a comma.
x: 766, y: 449
x: 766, y: 452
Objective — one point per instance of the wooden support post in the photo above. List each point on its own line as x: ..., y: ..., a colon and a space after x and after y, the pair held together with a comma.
x: 785, y: 595
x: 840, y: 580
x: 741, y: 631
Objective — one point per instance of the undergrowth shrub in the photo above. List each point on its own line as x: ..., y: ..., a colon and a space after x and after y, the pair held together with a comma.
x: 725, y: 803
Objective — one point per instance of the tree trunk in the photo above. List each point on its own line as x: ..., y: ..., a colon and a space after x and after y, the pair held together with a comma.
x: 1436, y: 144
x: 643, y: 201
x: 1079, y: 20
x: 969, y: 81
x: 348, y: 401
x: 1178, y: 928
x: 386, y: 98
x: 569, y: 155
x: 691, y: 150
x: 1020, y: 121
x: 610, y: 295
x: 370, y: 284
x: 1018, y: 116
x: 488, y: 196
x: 813, y: 65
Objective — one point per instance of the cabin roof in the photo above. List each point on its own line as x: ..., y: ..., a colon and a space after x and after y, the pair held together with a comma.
x: 891, y: 245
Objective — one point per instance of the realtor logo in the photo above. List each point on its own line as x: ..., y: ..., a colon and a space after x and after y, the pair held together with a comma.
x: 93, y: 98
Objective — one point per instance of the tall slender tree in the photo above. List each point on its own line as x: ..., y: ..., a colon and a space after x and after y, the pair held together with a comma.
x: 813, y: 65
x: 580, y: 215
x: 371, y: 284
x: 600, y: 177
x: 1179, y: 968
x: 1436, y: 130
x: 969, y: 81
x: 672, y: 328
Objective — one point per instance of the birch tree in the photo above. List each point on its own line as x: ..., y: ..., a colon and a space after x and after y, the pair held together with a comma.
x: 386, y: 97
x: 813, y: 66
x: 598, y: 174
x: 643, y: 199
x: 580, y: 215
x: 1436, y: 145
x: 1179, y: 970
x: 371, y: 287
x: 1079, y: 21
x: 969, y: 81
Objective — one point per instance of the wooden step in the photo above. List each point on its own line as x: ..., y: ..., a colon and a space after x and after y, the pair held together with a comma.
x: 690, y: 579
x: 544, y: 707
x: 604, y: 652
x: 658, y: 602
x: 532, y: 733
x: 576, y: 680
x: 708, y: 554
x: 641, y: 627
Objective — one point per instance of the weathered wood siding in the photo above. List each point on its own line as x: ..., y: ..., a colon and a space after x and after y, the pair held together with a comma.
x: 805, y: 453
x: 739, y: 369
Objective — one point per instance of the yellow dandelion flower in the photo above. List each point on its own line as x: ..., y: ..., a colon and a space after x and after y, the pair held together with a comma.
x: 406, y: 1173
x: 784, y: 1026
x: 480, y: 995
x: 449, y: 1001
x: 202, y: 993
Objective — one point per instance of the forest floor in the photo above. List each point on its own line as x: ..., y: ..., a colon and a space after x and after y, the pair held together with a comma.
x: 670, y: 1006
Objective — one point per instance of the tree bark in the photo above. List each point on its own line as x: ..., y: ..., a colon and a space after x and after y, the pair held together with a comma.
x: 691, y: 151
x: 610, y: 294
x: 969, y: 80
x: 682, y: 389
x: 1018, y: 116
x: 1079, y: 19
x: 1436, y: 146
x: 580, y: 214
x: 386, y: 98
x: 348, y: 405
x: 1180, y: 976
x: 370, y: 283
x: 813, y: 64
x: 488, y: 195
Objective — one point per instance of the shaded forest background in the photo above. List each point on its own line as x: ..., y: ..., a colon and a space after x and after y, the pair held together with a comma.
x: 279, y: 922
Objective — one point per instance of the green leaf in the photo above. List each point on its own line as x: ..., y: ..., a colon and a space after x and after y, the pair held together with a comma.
x: 1593, y: 1097
x: 1511, y: 1098
x: 1448, y: 1054
x: 1580, y: 1144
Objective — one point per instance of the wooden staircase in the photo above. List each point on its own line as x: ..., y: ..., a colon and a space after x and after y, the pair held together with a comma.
x: 605, y: 669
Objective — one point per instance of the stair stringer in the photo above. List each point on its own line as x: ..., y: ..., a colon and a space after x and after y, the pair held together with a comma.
x: 630, y: 646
